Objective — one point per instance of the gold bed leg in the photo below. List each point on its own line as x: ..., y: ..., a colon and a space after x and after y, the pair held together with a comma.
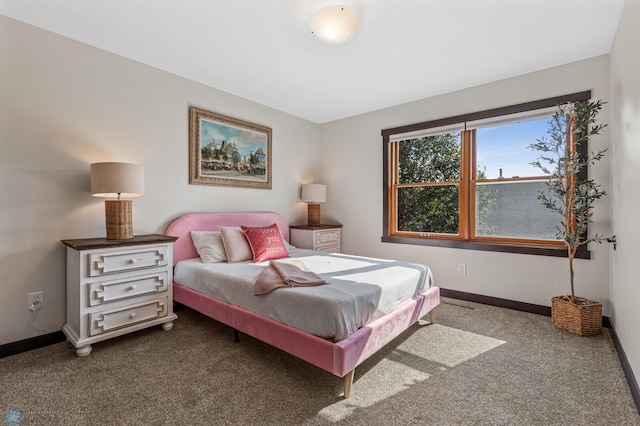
x: 348, y: 381
x: 432, y: 316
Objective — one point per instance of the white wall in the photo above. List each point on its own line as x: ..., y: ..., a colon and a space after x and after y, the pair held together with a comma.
x: 625, y: 123
x: 352, y: 168
x: 64, y: 105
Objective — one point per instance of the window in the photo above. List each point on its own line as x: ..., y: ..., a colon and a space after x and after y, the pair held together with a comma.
x: 467, y: 181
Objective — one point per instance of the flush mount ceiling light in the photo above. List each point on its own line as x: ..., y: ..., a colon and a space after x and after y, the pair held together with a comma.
x: 335, y: 23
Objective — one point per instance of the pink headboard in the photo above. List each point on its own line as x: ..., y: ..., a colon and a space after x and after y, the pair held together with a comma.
x: 183, y: 248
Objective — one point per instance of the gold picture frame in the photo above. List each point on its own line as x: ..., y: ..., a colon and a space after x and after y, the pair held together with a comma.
x: 226, y: 151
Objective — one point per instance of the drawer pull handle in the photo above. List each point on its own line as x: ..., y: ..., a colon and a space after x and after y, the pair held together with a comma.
x: 132, y: 261
x: 132, y: 287
x: 132, y: 315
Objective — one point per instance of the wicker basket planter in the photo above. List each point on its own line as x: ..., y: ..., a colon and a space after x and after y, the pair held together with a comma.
x: 584, y: 317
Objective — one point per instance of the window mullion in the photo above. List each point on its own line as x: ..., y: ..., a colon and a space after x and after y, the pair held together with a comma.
x: 393, y: 187
x: 472, y: 183
x: 465, y: 172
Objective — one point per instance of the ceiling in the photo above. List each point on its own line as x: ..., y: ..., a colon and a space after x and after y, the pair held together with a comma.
x: 263, y: 50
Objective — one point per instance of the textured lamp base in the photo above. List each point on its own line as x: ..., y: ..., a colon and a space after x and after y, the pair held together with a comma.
x: 313, y: 214
x: 119, y: 220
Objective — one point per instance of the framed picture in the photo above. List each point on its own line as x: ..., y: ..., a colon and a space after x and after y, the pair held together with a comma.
x: 225, y: 151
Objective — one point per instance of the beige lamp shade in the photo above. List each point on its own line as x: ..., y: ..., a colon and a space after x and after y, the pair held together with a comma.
x: 117, y: 180
x: 314, y: 193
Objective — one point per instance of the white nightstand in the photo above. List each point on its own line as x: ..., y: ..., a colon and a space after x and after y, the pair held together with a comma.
x: 115, y: 287
x: 316, y: 237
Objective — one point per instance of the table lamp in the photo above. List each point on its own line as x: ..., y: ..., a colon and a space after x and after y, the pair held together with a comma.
x: 117, y: 180
x: 313, y: 194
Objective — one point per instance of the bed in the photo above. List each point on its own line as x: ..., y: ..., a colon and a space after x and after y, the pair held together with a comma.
x: 338, y: 351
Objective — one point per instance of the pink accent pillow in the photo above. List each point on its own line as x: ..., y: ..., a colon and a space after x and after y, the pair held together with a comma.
x: 235, y: 243
x: 266, y: 242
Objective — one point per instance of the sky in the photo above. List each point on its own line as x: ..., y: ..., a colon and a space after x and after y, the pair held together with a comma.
x: 506, y: 147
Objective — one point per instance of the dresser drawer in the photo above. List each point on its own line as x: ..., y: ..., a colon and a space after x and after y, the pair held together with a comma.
x: 330, y: 249
x: 102, y: 322
x: 109, y: 291
x: 126, y: 260
x: 327, y: 237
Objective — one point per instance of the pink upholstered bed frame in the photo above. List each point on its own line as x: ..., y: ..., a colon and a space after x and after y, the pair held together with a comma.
x: 340, y: 358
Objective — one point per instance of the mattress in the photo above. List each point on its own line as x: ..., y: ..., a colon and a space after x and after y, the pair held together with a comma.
x: 360, y: 290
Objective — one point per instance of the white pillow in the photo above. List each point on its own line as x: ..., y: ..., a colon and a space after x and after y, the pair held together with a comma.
x: 209, y: 245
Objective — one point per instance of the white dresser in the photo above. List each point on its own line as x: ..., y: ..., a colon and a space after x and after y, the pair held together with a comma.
x: 316, y: 237
x: 115, y: 287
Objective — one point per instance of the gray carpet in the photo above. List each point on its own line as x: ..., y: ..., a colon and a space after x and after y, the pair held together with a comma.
x: 479, y: 365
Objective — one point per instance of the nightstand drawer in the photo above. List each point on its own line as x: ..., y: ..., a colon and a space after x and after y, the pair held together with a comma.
x: 330, y: 249
x: 327, y: 237
x: 126, y: 260
x: 109, y: 291
x: 102, y: 322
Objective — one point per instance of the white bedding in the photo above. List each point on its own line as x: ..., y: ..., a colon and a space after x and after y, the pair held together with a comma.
x: 360, y: 290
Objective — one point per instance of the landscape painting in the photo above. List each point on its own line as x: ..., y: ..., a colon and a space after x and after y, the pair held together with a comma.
x: 226, y: 151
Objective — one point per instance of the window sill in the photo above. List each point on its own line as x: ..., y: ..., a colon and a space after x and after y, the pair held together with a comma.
x: 582, y: 253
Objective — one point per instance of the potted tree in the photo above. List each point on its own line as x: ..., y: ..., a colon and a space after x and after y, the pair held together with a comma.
x: 571, y: 194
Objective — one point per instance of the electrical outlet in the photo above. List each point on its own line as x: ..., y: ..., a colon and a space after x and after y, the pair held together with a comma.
x: 36, y: 300
x: 462, y: 269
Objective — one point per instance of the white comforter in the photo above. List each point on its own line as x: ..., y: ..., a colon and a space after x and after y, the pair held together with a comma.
x: 360, y: 290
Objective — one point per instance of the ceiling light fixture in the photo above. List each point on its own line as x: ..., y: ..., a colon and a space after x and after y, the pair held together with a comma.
x: 335, y: 23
